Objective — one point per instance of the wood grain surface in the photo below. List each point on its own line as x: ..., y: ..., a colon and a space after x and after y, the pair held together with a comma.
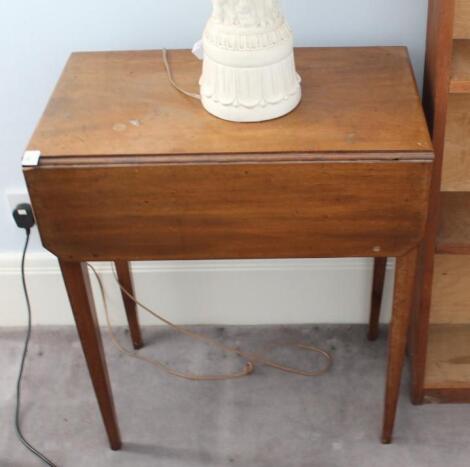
x: 454, y: 226
x: 210, y: 211
x: 380, y: 268
x: 435, y: 99
x: 405, y: 277
x: 448, y: 363
x: 462, y: 19
x: 451, y: 290
x: 78, y: 287
x: 124, y: 274
x: 121, y: 103
x: 456, y: 166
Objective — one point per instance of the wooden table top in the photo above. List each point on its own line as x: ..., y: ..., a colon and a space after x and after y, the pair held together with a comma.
x: 355, y: 100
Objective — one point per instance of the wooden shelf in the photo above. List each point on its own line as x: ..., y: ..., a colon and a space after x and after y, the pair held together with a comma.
x: 454, y: 229
x: 456, y: 166
x: 460, y: 77
x: 448, y: 358
x: 462, y: 19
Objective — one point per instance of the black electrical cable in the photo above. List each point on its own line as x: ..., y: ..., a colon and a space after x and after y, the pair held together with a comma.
x: 23, y: 359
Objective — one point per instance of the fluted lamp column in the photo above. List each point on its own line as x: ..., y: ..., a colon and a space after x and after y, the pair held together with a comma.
x: 249, y: 72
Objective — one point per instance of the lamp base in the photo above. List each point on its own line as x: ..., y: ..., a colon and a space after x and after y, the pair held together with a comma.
x: 250, y: 93
x: 246, y: 115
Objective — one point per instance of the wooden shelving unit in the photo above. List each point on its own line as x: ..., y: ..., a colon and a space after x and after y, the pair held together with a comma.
x: 441, y: 344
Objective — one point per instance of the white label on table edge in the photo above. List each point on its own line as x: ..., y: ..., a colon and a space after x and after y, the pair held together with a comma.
x: 31, y: 158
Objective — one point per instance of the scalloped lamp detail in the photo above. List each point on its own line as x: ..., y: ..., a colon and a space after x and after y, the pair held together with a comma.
x: 249, y: 72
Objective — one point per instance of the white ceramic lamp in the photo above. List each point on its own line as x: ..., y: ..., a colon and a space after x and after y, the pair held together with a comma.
x: 249, y: 72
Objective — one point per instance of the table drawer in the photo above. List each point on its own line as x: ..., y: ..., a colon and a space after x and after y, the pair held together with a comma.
x: 232, y: 210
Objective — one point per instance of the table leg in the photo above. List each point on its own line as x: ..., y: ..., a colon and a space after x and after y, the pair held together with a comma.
x: 78, y: 287
x: 125, y: 279
x: 380, y: 266
x: 403, y: 299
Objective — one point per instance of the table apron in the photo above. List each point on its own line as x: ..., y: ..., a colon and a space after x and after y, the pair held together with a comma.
x: 231, y: 211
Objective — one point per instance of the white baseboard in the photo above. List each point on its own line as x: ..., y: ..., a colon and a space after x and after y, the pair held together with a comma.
x: 206, y: 292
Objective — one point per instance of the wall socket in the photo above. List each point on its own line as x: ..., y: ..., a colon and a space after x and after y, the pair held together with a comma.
x: 17, y: 197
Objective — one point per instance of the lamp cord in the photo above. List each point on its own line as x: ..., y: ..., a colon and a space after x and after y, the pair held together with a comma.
x: 172, y: 81
x: 19, y: 433
x: 252, y: 359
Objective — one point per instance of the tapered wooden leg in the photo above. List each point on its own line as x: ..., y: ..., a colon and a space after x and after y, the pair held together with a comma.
x: 402, y: 304
x: 78, y: 288
x: 125, y: 279
x: 380, y: 266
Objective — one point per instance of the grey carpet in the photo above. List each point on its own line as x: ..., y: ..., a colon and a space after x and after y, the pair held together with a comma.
x: 270, y: 419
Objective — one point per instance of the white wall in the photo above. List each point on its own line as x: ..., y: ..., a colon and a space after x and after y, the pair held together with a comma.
x: 36, y: 37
